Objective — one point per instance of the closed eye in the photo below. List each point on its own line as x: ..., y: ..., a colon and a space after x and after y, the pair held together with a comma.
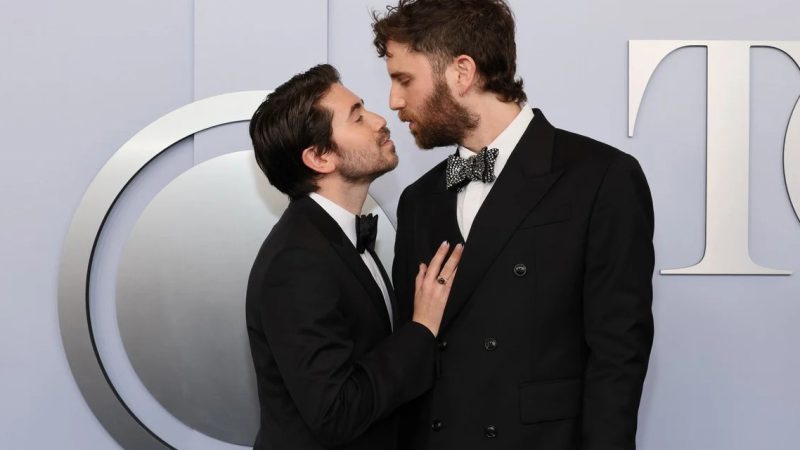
x: 401, y: 77
x: 357, y: 107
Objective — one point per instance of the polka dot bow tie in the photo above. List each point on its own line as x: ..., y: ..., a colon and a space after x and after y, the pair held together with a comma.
x: 480, y: 167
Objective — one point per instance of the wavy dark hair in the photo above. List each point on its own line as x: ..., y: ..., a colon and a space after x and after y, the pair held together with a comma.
x: 444, y: 29
x: 289, y: 121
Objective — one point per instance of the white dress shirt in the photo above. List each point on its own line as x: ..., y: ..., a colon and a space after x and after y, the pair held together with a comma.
x: 471, y: 197
x: 347, y: 222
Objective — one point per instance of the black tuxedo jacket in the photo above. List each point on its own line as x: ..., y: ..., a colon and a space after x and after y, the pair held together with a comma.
x: 330, y: 373
x: 547, y: 333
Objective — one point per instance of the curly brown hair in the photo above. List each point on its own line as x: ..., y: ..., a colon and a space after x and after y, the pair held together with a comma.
x: 443, y: 29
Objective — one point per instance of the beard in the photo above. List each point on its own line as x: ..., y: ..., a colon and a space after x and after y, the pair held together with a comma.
x: 360, y: 166
x: 442, y: 121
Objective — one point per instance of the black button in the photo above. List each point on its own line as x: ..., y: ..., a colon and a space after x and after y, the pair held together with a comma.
x: 490, y: 344
x: 491, y: 432
x: 520, y: 270
x: 437, y: 425
x: 441, y: 345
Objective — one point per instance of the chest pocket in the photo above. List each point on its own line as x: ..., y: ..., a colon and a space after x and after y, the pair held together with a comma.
x: 547, y: 214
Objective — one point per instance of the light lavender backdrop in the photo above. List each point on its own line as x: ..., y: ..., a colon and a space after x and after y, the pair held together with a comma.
x: 79, y: 78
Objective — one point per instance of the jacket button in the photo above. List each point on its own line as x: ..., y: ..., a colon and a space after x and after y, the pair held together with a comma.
x: 520, y: 270
x: 437, y: 425
x: 490, y: 432
x: 490, y: 344
x: 441, y: 345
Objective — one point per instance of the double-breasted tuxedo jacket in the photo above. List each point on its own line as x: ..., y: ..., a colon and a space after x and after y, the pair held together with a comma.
x: 547, y: 332
x: 330, y: 372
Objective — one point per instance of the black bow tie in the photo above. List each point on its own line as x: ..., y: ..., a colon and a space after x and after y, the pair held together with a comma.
x: 480, y: 167
x: 366, y: 232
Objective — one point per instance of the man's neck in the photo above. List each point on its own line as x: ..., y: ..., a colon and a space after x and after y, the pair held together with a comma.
x: 349, y: 196
x: 495, y: 116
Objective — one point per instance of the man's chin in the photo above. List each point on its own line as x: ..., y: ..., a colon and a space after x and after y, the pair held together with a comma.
x: 421, y: 143
x: 383, y: 171
x: 429, y: 145
x: 392, y: 163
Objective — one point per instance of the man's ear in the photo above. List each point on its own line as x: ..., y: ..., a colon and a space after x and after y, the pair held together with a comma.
x: 319, y: 161
x: 465, y: 72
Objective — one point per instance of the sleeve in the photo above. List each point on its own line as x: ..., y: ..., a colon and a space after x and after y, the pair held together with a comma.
x: 338, y: 396
x: 618, y: 318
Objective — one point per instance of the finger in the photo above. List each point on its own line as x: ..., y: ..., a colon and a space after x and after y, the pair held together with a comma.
x: 449, y: 284
x: 436, y: 262
x: 420, y: 276
x: 452, y: 262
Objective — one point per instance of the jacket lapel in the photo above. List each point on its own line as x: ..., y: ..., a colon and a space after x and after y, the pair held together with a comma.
x: 444, y: 224
x: 524, y: 181
x: 388, y: 283
x: 344, y: 248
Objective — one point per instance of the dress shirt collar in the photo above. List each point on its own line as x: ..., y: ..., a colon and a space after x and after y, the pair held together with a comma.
x: 507, y: 140
x: 343, y: 217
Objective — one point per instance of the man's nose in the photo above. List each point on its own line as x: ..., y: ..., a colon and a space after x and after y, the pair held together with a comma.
x: 396, y: 101
x: 378, y: 122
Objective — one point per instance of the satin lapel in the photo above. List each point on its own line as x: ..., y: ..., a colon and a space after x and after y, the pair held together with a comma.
x: 525, y: 180
x: 352, y: 259
x: 443, y: 224
x: 388, y: 283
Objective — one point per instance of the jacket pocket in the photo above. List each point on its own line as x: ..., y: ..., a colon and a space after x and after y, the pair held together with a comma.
x: 544, y: 215
x: 550, y: 400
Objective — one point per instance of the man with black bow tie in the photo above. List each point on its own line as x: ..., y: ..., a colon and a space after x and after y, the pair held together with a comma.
x: 546, y: 337
x: 332, y: 355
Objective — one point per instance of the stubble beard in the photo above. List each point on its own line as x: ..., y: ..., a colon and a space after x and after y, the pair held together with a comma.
x: 358, y: 167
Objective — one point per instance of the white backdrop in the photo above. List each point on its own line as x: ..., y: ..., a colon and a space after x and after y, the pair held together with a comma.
x: 80, y: 78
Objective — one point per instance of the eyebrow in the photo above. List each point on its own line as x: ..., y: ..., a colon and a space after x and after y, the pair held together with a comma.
x: 356, y: 106
x: 396, y: 75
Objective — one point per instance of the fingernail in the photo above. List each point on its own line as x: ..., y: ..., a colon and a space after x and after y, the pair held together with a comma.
x: 445, y: 243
